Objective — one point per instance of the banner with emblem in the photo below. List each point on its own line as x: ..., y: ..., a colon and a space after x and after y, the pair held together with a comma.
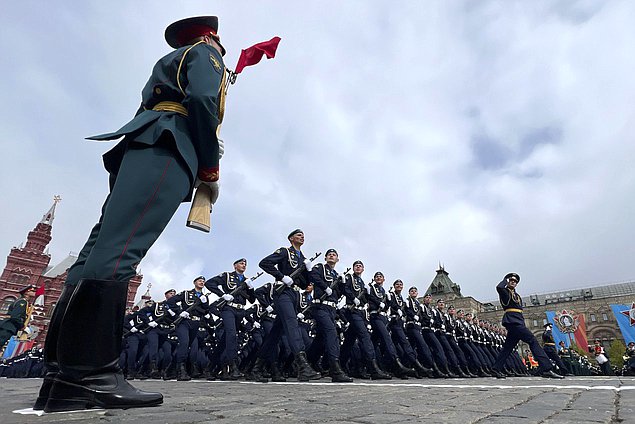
x: 569, y: 327
x: 625, y: 316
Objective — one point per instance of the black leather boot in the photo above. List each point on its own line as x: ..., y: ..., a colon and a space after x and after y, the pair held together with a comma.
x: 449, y: 373
x: 337, y: 374
x: 376, y: 373
x: 483, y: 373
x: 50, y: 347
x: 305, y: 372
x: 257, y: 372
x: 181, y: 372
x: 276, y: 374
x: 170, y: 372
x: 196, y: 371
x: 226, y: 374
x: 88, y: 348
x: 402, y: 371
x: 235, y: 370
x: 154, y: 371
x: 437, y: 373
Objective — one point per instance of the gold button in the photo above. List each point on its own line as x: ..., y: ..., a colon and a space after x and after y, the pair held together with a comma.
x: 157, y: 90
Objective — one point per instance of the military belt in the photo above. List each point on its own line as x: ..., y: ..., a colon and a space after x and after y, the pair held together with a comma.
x: 325, y: 302
x: 413, y: 323
x: 170, y: 107
x: 195, y: 318
x: 520, y: 311
x: 235, y: 305
x: 379, y: 313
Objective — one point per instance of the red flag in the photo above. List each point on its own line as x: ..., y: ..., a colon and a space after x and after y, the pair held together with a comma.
x: 580, y: 333
x: 252, y: 55
x: 39, y: 296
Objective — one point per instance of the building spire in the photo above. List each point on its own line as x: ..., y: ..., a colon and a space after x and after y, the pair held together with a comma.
x: 50, y: 215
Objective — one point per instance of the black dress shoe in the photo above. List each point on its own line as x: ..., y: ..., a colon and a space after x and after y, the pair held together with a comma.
x: 551, y: 374
x: 498, y: 374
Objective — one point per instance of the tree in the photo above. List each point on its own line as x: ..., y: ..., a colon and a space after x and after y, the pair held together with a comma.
x: 615, y: 352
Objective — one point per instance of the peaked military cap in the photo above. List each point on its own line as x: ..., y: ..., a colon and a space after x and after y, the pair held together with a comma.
x: 547, y: 325
x: 177, y: 34
x: 237, y: 261
x: 358, y: 262
x: 330, y: 251
x: 200, y: 277
x: 170, y: 291
x: 294, y: 232
x: 25, y: 288
x: 513, y: 275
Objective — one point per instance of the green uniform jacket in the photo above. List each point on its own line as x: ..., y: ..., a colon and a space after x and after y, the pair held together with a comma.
x: 193, y: 76
x: 17, y: 317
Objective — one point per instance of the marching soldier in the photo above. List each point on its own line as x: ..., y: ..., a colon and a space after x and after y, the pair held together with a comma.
x: 438, y: 325
x: 232, y: 313
x: 17, y: 316
x: 327, y: 291
x: 193, y: 306
x: 134, y: 323
x: 514, y: 322
x: 280, y: 265
x: 396, y: 325
x: 170, y: 146
x: 413, y: 331
x: 450, y: 335
x: 549, y: 345
x: 429, y: 324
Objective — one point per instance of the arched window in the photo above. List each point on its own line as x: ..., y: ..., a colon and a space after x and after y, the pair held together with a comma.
x: 6, y: 302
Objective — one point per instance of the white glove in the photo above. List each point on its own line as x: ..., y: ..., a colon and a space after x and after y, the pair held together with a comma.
x: 308, y: 264
x: 369, y: 327
x: 399, y: 312
x: 203, y: 298
x: 287, y: 280
x: 269, y: 309
x: 184, y: 314
x: 213, y: 186
x: 171, y: 312
x: 27, y: 330
x: 328, y: 291
x: 207, y: 316
x: 416, y: 317
x: 356, y: 301
x: 228, y: 297
x: 134, y: 330
x: 382, y: 305
x: 153, y: 324
x: 256, y: 324
x: 300, y: 315
x: 221, y: 148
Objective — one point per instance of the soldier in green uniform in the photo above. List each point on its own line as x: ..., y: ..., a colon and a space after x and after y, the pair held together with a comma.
x: 168, y: 148
x: 16, y: 316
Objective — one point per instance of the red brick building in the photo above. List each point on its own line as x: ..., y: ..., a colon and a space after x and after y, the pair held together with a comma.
x: 30, y: 264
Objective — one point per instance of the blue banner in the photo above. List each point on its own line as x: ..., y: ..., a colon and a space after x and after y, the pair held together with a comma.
x: 11, y: 346
x: 558, y: 335
x: 625, y: 316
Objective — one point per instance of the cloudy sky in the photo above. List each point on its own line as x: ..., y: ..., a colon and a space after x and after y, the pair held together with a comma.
x: 489, y: 136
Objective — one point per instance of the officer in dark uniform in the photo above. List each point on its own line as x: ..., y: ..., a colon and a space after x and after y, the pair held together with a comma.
x: 355, y: 292
x: 193, y: 306
x: 134, y: 322
x: 232, y: 313
x: 428, y: 325
x: 514, y: 322
x: 327, y: 289
x: 16, y: 316
x: 280, y: 265
x: 413, y: 331
x: 438, y: 325
x: 169, y: 147
x: 462, y: 332
x: 549, y: 345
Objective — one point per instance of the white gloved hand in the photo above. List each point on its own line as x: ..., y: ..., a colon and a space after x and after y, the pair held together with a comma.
x: 416, y: 317
x: 369, y: 327
x: 287, y: 280
x: 207, y: 316
x: 171, y: 312
x: 257, y: 324
x: 228, y: 297
x: 221, y: 148
x: 399, y: 312
x: 356, y: 301
x: 308, y: 264
x: 184, y: 314
x: 203, y: 298
x: 212, y: 185
x: 269, y: 309
x: 27, y: 330
x: 300, y: 315
x: 328, y: 291
x: 153, y: 324
x: 382, y: 305
x: 134, y: 330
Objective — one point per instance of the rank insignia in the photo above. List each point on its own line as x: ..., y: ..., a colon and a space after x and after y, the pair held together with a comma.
x: 215, y: 62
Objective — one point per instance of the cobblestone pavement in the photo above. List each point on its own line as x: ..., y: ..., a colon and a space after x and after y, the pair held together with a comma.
x: 478, y: 400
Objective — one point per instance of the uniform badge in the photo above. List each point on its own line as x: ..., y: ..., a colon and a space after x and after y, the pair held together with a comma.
x: 215, y: 62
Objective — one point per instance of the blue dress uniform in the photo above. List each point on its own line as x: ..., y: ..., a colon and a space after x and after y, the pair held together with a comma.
x: 280, y: 264
x: 355, y: 313
x: 396, y: 325
x: 171, y: 140
x: 193, y: 306
x: 135, y: 323
x: 327, y: 289
x: 514, y: 322
x: 461, y: 330
x: 550, y: 348
x: 428, y: 333
x: 412, y: 312
x: 232, y: 313
x: 160, y: 324
x: 450, y: 336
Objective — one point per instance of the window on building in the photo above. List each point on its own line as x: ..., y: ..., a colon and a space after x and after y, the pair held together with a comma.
x: 605, y: 317
x: 4, y: 306
x: 593, y: 319
x: 535, y: 323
